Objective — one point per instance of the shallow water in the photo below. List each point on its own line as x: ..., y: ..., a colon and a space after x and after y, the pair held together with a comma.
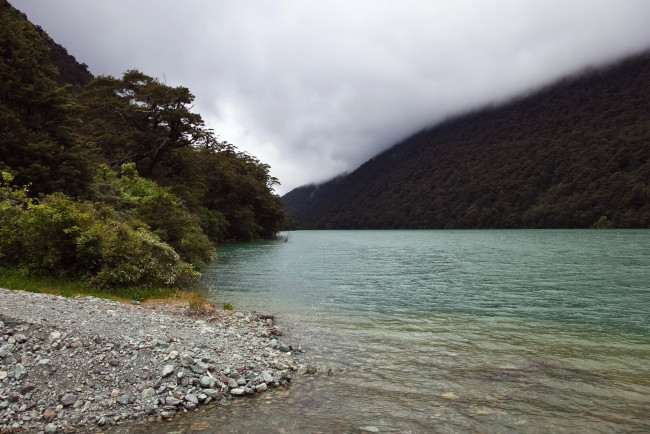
x: 449, y: 331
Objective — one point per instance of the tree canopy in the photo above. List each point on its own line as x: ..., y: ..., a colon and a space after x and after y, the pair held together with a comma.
x: 116, y: 180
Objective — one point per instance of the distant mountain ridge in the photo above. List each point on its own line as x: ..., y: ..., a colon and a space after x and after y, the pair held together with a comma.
x: 574, y: 154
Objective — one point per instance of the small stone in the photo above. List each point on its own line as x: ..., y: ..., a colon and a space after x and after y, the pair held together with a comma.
x: 50, y: 428
x: 25, y: 390
x: 284, y: 348
x: 189, y: 406
x: 199, y: 368
x: 170, y: 400
x: 173, y: 354
x: 5, y: 350
x: 202, y: 397
x: 147, y: 394
x: 68, y: 399
x: 238, y: 391
x: 55, y: 336
x: 268, y: 377
x: 135, y: 302
x: 123, y: 399
x: 3, y: 375
x: 49, y: 416
x: 190, y: 397
x: 167, y: 370
x: 186, y: 360
x: 207, y: 382
x: 261, y: 387
x: 20, y: 338
x: 369, y: 429
x: 273, y: 343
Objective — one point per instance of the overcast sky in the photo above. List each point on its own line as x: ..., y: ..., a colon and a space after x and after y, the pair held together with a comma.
x: 315, y: 88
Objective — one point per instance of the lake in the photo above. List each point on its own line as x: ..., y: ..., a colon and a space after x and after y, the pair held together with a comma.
x: 449, y: 331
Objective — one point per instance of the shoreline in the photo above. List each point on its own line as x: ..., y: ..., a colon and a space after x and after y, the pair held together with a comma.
x: 85, y: 363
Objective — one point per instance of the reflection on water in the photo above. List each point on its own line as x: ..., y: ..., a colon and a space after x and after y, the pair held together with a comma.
x: 442, y: 331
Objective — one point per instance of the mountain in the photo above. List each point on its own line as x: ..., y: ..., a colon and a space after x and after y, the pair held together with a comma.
x: 70, y: 71
x: 574, y: 154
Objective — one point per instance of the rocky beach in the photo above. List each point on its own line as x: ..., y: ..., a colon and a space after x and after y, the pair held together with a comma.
x: 88, y: 364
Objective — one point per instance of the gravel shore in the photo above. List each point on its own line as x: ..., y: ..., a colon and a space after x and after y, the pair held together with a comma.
x: 83, y: 364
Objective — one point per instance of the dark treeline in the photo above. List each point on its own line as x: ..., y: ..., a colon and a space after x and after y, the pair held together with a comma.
x: 575, y: 154
x: 114, y: 179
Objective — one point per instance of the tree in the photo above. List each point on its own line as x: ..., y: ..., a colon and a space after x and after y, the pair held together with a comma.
x: 139, y: 119
x: 37, y: 114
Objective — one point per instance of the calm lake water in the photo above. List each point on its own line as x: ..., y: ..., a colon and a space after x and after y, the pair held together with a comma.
x: 449, y: 331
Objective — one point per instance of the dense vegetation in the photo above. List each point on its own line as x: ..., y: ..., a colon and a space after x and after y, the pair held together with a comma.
x: 114, y: 180
x: 572, y: 155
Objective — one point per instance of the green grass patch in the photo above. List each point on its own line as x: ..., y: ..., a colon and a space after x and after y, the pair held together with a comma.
x: 12, y: 278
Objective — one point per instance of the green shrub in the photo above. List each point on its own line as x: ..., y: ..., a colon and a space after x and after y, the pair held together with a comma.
x: 137, y: 257
x: 49, y: 231
x: 62, y: 237
x: 142, y: 202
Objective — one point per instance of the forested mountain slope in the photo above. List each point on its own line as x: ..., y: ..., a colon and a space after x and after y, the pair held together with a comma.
x: 562, y: 157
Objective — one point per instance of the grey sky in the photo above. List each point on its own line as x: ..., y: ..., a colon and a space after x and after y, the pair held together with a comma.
x: 315, y: 88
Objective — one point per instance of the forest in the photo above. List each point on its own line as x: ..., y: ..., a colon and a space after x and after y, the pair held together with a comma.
x: 114, y: 180
x: 574, y: 154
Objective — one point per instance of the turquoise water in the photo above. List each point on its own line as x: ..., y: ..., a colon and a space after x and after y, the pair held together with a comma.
x: 451, y: 331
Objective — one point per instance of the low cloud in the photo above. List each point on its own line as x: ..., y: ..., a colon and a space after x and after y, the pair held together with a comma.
x: 316, y: 88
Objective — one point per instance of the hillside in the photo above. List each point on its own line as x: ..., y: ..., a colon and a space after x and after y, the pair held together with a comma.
x: 562, y: 157
x: 115, y: 181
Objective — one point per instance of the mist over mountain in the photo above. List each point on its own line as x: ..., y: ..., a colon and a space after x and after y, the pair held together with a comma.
x: 574, y: 154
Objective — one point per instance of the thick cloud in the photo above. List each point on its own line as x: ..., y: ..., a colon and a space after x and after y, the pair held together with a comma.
x: 314, y: 88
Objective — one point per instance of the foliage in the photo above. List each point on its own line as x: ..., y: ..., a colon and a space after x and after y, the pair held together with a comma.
x: 37, y: 141
x: 127, y: 187
x: 142, y: 200
x: 559, y: 158
x: 59, y: 236
x: 602, y: 223
x: 140, y: 120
